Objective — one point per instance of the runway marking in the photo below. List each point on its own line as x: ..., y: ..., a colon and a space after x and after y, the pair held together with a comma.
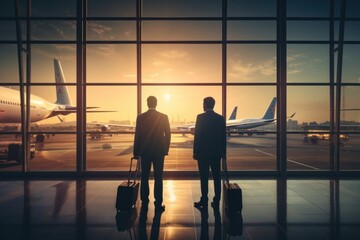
x: 272, y: 155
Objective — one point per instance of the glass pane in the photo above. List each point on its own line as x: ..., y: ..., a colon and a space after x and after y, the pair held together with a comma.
x: 352, y: 31
x: 181, y: 30
x: 351, y: 58
x: 10, y: 111
x: 350, y: 151
x: 118, y: 104
x: 308, y: 63
x: 250, y: 146
x: 308, y: 30
x: 56, y: 153
x: 45, y: 113
x: 8, y: 30
x: 251, y: 63
x: 111, y: 30
x: 46, y: 57
x: 111, y: 8
x: 311, y: 105
x: 173, y: 63
x: 308, y: 152
x: 111, y: 63
x: 10, y: 149
x: 350, y: 108
x: 53, y: 30
x: 307, y: 8
x: 251, y: 30
x: 9, y: 68
x: 181, y: 8
x: 352, y: 9
x: 7, y: 8
x: 109, y: 152
x: 53, y: 8
x: 251, y: 8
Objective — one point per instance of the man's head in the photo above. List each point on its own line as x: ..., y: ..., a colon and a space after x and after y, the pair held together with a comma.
x: 152, y: 102
x: 209, y: 103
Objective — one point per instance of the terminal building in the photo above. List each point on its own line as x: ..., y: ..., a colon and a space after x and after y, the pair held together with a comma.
x: 75, y: 74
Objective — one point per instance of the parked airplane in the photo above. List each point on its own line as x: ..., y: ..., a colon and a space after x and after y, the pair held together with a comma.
x: 233, y: 125
x: 40, y: 108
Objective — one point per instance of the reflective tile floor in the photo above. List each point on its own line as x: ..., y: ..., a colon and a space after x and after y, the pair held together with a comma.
x: 272, y: 209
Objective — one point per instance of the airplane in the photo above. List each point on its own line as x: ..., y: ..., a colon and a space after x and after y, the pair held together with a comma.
x: 234, y: 125
x: 40, y: 108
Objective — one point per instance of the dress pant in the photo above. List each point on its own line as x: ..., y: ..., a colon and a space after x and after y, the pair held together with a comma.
x: 158, y: 166
x: 214, y: 164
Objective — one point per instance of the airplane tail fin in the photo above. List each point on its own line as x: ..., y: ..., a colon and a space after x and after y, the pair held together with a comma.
x: 62, y: 92
x: 270, y: 112
x: 233, y: 114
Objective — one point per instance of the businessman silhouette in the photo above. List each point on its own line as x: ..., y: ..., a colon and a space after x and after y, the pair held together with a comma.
x: 209, y: 148
x: 151, y: 143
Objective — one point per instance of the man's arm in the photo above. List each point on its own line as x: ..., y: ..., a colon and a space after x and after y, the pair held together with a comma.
x: 136, y: 149
x: 196, y: 149
x: 167, y: 134
x: 223, y: 135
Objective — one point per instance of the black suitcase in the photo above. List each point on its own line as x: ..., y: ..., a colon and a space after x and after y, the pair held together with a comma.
x: 232, y: 194
x: 128, y: 191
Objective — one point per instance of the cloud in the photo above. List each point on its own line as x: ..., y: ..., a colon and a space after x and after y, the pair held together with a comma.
x: 172, y: 54
x: 97, y: 28
x: 158, y: 63
x: 239, y: 69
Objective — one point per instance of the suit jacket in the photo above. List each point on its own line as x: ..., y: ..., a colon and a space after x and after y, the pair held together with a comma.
x: 210, y: 136
x: 152, y: 134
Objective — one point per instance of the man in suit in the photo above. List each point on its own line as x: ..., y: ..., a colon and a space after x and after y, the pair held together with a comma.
x: 209, y: 148
x: 151, y: 143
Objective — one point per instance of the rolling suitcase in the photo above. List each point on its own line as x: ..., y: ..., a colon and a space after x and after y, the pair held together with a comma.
x: 128, y: 191
x: 232, y: 194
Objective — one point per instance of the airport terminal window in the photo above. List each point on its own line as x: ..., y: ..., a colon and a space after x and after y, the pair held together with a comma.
x: 351, y: 71
x: 251, y: 30
x: 111, y: 8
x: 44, y: 59
x: 181, y: 63
x: 111, y: 63
x: 308, y: 30
x: 181, y: 30
x: 308, y: 63
x: 307, y: 8
x: 53, y: 8
x: 181, y: 8
x: 9, y: 70
x: 111, y: 30
x: 53, y: 30
x: 178, y: 51
x: 251, y: 8
x: 251, y: 63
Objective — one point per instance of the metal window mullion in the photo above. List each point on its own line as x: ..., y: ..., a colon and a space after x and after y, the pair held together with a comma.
x: 338, y: 84
x: 138, y: 54
x: 79, y: 93
x: 21, y: 86
x: 332, y: 87
x: 83, y: 85
x: 224, y: 56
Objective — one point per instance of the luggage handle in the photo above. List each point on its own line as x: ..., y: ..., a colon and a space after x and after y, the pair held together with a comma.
x: 136, y: 169
x: 225, y: 170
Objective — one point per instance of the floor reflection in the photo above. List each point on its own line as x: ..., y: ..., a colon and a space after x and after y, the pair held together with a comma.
x: 292, y: 209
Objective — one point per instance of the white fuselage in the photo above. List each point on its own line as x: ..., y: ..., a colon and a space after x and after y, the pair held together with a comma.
x: 10, y: 107
x: 247, y: 123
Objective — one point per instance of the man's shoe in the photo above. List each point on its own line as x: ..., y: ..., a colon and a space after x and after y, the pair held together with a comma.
x: 215, y: 204
x: 160, y: 208
x: 200, y: 204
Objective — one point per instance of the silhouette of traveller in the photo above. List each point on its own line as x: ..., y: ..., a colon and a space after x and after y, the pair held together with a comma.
x: 209, y: 148
x: 151, y: 143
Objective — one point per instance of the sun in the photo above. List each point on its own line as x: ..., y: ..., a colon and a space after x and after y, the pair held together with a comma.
x: 167, y: 97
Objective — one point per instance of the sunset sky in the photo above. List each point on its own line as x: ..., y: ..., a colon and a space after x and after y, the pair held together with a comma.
x: 187, y: 63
